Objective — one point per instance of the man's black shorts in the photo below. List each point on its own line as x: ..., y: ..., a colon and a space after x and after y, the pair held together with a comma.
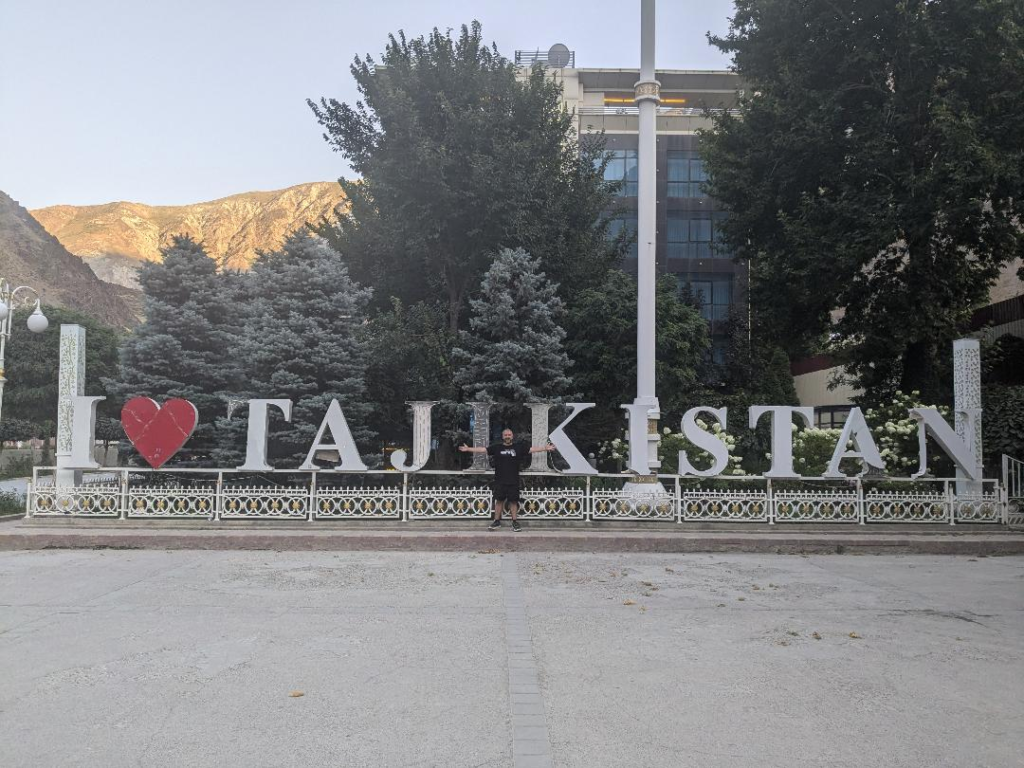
x: 506, y: 492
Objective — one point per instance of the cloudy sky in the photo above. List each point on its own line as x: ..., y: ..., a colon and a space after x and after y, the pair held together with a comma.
x: 180, y: 102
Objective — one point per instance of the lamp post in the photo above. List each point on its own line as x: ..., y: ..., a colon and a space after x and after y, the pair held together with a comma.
x: 645, y: 411
x: 37, y: 322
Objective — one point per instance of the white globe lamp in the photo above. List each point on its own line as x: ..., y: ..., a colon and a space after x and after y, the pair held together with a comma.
x: 37, y: 322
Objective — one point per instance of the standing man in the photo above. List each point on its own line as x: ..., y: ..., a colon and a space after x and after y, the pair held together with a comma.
x: 507, y: 457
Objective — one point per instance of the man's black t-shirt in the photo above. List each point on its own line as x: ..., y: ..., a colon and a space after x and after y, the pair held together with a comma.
x: 507, y: 459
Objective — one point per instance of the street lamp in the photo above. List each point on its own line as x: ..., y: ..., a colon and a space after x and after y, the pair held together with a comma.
x: 37, y: 322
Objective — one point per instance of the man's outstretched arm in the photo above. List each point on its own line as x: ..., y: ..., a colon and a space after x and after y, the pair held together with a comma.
x: 542, y: 448
x: 467, y: 449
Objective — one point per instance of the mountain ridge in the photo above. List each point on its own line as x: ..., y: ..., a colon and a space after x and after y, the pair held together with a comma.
x: 29, y: 255
x: 115, y: 238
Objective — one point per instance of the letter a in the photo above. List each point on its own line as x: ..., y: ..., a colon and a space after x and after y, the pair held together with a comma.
x: 334, y: 423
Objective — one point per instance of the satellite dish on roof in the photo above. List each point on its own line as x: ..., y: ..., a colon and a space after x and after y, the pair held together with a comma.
x: 558, y: 56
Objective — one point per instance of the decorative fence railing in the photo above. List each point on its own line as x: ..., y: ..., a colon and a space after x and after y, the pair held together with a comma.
x: 228, y: 495
x: 1013, y: 487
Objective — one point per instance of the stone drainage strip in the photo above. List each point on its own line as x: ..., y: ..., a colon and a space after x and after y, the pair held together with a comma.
x: 24, y: 534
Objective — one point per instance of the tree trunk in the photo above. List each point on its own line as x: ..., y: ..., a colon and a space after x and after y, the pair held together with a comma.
x: 454, y: 308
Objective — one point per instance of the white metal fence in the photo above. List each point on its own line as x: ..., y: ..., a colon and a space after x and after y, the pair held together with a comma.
x: 1013, y: 487
x: 203, y: 494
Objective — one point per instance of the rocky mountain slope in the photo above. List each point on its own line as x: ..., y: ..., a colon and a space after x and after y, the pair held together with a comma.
x: 29, y: 255
x: 114, y: 238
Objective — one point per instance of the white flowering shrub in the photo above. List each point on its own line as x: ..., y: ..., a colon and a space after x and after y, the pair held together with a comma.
x: 617, y: 451
x: 812, y: 450
x: 673, y: 442
x: 895, y: 435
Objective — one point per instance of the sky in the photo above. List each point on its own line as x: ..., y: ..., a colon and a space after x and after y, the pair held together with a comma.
x: 169, y: 103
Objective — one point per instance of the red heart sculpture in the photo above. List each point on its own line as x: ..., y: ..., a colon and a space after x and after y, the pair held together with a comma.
x: 158, y: 431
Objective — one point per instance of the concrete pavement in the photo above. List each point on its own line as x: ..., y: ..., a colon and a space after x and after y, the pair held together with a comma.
x: 151, y: 658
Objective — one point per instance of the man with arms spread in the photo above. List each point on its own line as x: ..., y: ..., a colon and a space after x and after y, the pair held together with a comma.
x: 507, y: 457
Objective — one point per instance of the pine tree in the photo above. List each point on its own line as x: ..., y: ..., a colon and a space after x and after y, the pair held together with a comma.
x: 513, y: 351
x: 185, y: 348
x: 302, y: 342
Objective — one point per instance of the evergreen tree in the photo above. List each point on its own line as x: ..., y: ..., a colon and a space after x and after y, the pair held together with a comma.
x: 409, y: 359
x: 513, y: 351
x: 187, y: 346
x: 302, y: 341
x: 877, y: 167
x: 457, y: 159
x: 33, y: 362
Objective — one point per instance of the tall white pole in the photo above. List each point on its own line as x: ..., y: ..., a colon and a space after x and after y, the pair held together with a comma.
x: 647, y: 93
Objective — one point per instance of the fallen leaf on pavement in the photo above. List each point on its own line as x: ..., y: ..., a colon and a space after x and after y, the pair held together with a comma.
x: 296, y: 694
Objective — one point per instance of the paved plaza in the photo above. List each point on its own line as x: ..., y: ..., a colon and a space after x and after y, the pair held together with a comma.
x: 191, y: 658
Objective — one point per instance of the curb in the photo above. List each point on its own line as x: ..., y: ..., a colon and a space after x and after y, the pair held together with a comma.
x: 996, y: 543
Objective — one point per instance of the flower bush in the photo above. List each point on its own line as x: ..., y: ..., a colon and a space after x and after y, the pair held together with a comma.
x: 812, y: 449
x: 617, y: 451
x: 895, y: 435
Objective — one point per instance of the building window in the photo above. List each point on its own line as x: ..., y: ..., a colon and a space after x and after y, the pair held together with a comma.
x: 712, y: 292
x: 686, y: 174
x: 695, y: 235
x: 719, y: 350
x: 622, y: 166
x: 627, y: 222
x: 831, y: 416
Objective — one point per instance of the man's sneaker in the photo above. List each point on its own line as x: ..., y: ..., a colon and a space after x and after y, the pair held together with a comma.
x: 495, y: 525
x: 516, y: 526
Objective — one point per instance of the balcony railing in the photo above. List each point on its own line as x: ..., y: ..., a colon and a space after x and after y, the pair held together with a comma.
x: 529, y: 58
x: 662, y: 111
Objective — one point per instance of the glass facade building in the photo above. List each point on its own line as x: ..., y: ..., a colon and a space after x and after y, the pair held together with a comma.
x: 688, y: 242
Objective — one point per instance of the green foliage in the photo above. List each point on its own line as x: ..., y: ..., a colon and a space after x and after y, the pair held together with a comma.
x: 895, y: 435
x: 301, y: 341
x: 615, y: 453
x: 109, y: 430
x: 601, y: 341
x: 1003, y: 361
x: 757, y: 372
x: 184, y: 348
x: 409, y: 358
x: 673, y: 442
x: 33, y: 360
x: 12, y: 429
x: 1003, y: 425
x: 11, y: 503
x: 457, y: 160
x: 513, y: 351
x: 812, y: 450
x: 875, y: 167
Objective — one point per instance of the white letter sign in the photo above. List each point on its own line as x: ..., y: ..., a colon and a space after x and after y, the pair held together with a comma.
x: 960, y: 451
x: 256, y: 436
x: 335, y: 424
x: 420, y: 438
x: 578, y: 464
x: 705, y: 441
x: 864, y: 448
x: 782, y: 435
